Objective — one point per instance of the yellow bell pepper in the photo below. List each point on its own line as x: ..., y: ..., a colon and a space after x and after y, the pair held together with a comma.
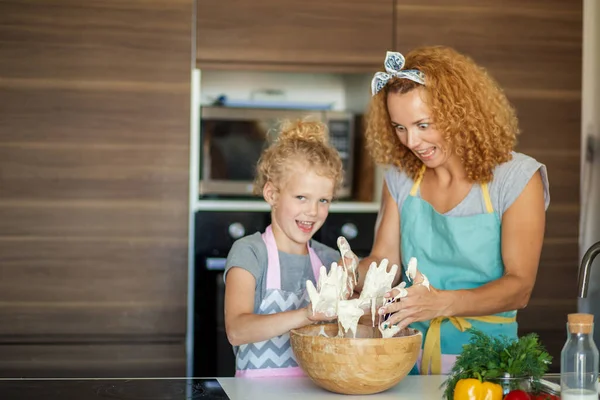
x: 473, y: 389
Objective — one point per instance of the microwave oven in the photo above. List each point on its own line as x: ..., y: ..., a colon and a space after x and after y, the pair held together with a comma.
x: 232, y: 140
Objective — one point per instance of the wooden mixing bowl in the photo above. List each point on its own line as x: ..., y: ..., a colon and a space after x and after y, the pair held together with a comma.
x: 364, y: 365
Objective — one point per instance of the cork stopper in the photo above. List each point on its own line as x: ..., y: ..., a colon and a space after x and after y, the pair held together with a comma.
x: 581, y: 323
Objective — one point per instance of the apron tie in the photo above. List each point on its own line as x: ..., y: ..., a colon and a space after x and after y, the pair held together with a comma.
x: 432, y: 350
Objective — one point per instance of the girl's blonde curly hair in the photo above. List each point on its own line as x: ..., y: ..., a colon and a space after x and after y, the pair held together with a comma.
x: 467, y: 106
x: 300, y: 143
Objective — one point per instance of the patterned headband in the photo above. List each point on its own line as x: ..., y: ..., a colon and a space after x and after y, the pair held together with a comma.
x: 394, y: 62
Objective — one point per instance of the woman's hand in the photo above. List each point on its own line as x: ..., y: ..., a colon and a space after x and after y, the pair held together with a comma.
x: 349, y: 261
x: 422, y: 302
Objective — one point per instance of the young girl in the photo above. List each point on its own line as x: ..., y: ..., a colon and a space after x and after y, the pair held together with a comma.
x: 266, y: 274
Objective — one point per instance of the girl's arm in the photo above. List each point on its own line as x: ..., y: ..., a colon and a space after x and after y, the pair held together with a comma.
x: 243, y: 326
x: 387, y: 239
x: 523, y: 227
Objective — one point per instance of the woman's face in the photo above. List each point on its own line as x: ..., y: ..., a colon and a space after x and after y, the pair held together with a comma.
x: 411, y: 120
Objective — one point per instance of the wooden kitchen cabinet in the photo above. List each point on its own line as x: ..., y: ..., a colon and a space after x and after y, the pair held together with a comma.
x: 532, y: 47
x: 320, y: 35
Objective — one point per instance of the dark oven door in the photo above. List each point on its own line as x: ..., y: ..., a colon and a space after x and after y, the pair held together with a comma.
x: 215, y: 233
x: 213, y: 355
x: 357, y: 227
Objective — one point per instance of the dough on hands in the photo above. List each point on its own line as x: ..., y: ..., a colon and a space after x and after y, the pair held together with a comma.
x: 352, y: 265
x: 378, y: 280
x: 401, y: 291
x: 390, y: 331
x: 349, y: 312
x: 412, y: 272
x: 330, y: 297
x: 330, y: 289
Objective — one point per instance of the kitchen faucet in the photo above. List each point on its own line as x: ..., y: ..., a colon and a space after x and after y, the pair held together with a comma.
x: 585, y: 267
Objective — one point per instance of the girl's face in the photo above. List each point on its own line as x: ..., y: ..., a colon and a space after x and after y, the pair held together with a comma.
x: 299, y: 207
x: 411, y: 120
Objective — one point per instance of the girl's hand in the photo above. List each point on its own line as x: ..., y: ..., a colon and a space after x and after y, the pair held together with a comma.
x: 330, y: 288
x: 422, y: 302
x: 318, y: 316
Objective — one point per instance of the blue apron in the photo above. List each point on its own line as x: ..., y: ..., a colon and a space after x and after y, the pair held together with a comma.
x: 454, y: 253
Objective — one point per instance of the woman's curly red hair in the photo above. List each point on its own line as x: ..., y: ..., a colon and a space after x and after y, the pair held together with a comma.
x: 467, y: 105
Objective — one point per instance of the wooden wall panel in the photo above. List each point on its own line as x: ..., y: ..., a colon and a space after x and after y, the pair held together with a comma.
x: 37, y: 170
x: 97, y: 220
x: 97, y: 42
x: 94, y: 152
x: 467, y: 5
x: 556, y: 266
x: 524, y: 48
x: 116, y: 321
x: 124, y: 261
x: 548, y: 123
x: 562, y: 219
x: 563, y: 173
x: 534, y: 51
x: 86, y: 286
x: 95, y: 113
x: 134, y: 360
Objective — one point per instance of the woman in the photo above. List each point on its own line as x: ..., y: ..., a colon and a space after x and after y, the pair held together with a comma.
x: 456, y: 197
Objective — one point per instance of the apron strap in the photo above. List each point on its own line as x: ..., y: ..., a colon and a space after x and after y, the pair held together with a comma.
x: 415, y: 187
x: 315, y: 262
x: 484, y: 189
x: 273, y: 266
x: 486, y: 197
x: 432, y: 351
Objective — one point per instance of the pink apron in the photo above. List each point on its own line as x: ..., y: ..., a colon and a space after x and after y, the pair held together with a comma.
x: 274, y: 357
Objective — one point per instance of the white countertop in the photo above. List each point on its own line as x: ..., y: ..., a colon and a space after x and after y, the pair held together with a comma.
x: 412, y: 387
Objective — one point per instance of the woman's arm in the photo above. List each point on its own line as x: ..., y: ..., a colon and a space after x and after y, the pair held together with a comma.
x: 523, y: 227
x: 243, y: 326
x: 387, y: 239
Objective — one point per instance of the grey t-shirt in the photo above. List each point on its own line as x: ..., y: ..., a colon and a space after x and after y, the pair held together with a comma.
x: 510, y: 178
x: 250, y: 253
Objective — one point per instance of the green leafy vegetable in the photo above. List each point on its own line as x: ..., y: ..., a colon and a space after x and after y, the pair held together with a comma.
x: 487, y: 358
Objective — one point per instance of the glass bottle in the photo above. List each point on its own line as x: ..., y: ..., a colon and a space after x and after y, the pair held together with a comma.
x: 579, y: 360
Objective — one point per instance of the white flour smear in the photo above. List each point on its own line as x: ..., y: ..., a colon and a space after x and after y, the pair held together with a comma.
x: 331, y: 296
